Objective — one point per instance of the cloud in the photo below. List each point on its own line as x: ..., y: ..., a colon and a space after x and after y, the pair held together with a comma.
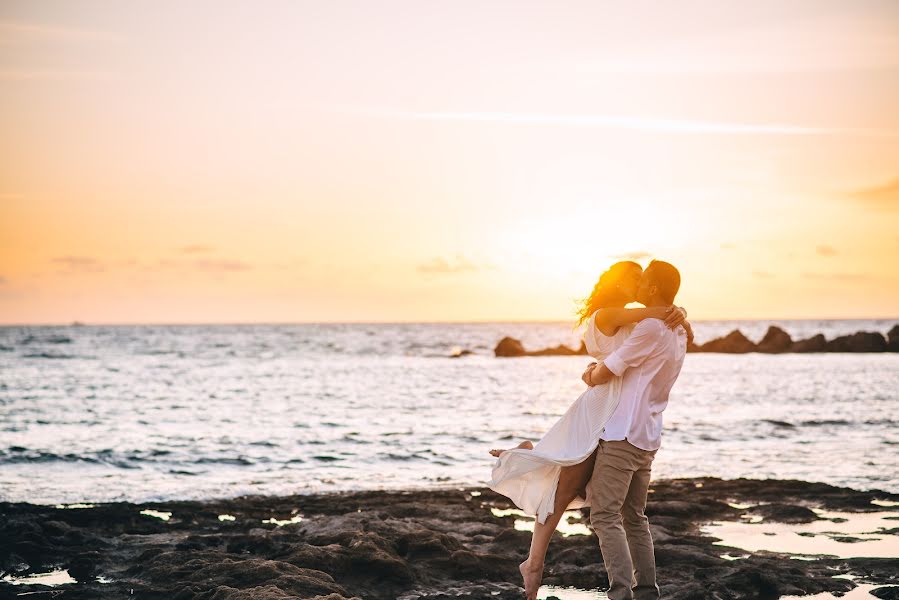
x: 636, y: 255
x: 3, y: 280
x: 728, y: 246
x: 836, y: 276
x: 762, y: 275
x: 84, y: 264
x: 629, y: 122
x: 52, y: 75
x: 42, y: 35
x: 221, y: 265
x: 825, y: 250
x: 441, y: 265
x: 195, y: 249
x: 18, y: 32
x: 884, y: 196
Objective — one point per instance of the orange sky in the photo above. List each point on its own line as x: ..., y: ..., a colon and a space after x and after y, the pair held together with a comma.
x: 406, y: 161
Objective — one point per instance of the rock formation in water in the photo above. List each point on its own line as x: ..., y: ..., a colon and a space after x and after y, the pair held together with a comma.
x: 775, y: 341
x: 510, y: 347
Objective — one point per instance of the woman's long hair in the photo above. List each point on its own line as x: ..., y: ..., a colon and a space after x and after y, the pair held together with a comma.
x: 605, y: 291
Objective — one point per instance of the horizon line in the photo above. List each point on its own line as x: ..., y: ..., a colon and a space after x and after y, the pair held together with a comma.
x: 77, y: 323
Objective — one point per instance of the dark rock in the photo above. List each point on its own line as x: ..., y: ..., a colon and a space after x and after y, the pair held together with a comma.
x: 415, y: 545
x: 887, y: 593
x: 785, y: 513
x: 84, y: 567
x: 560, y: 350
x: 776, y: 340
x: 893, y: 339
x: 509, y: 347
x: 863, y: 341
x: 761, y: 584
x: 816, y: 343
x: 733, y: 343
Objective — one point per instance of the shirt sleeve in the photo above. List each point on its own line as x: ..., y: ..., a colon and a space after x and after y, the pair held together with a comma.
x: 636, y: 348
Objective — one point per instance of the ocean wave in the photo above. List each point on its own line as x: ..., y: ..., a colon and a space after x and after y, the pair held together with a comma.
x: 46, y: 339
x: 54, y: 355
x: 18, y: 454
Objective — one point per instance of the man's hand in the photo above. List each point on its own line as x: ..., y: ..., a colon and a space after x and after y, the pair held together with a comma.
x: 676, y: 317
x: 586, y: 376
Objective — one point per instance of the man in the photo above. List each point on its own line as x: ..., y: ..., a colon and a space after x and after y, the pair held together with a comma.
x: 648, y: 362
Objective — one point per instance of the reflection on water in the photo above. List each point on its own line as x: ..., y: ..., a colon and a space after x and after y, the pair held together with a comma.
x: 862, y: 592
x: 282, y: 523
x: 566, y: 527
x: 57, y: 577
x: 568, y: 593
x: 840, y: 534
x: 165, y: 516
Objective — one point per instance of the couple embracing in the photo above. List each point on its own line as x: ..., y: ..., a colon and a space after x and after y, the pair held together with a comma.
x: 600, y: 452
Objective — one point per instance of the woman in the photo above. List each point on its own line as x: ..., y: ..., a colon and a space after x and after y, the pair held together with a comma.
x: 550, y: 477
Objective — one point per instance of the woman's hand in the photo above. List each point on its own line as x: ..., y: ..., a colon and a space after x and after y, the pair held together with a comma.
x: 689, y: 330
x: 676, y: 316
x: 586, y: 376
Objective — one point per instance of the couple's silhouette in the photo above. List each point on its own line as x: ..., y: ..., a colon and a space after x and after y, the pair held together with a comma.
x: 600, y: 452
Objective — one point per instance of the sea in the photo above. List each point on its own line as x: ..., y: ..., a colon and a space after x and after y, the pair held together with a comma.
x: 139, y: 413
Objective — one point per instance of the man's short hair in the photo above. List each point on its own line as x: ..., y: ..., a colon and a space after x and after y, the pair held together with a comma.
x: 665, y: 277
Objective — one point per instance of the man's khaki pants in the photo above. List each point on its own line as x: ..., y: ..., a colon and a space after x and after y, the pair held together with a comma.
x: 619, y: 486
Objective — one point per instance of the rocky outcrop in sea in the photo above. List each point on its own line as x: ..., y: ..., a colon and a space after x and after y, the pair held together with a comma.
x: 775, y: 341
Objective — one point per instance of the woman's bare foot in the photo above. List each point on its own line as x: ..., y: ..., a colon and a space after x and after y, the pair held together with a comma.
x: 525, y: 445
x: 532, y: 578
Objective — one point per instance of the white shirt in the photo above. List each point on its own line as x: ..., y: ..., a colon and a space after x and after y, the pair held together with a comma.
x: 649, y: 361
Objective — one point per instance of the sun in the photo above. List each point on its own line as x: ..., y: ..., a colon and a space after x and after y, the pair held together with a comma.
x: 589, y: 241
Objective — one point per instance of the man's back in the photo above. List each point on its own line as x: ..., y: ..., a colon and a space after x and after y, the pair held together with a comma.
x: 650, y: 361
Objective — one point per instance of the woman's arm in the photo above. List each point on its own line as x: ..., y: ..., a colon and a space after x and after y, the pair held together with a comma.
x: 689, y: 329
x: 608, y: 320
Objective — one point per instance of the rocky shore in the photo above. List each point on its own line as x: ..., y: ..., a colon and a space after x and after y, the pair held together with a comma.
x: 775, y: 341
x: 434, y: 544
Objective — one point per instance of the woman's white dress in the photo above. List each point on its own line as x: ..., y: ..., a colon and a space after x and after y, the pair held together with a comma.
x: 529, y: 478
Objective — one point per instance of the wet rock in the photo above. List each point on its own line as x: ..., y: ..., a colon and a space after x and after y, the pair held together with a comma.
x: 893, y: 339
x: 382, y: 545
x: 776, y: 340
x: 733, y: 343
x: 887, y: 593
x: 863, y: 341
x: 816, y: 343
x: 760, y: 583
x: 84, y: 566
x: 560, y: 350
x: 207, y: 571
x: 784, y: 513
x: 509, y: 347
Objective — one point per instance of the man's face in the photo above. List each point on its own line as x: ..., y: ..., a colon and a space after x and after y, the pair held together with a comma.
x: 629, y: 284
x: 645, y: 289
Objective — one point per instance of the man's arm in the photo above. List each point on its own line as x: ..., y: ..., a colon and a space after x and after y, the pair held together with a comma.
x: 636, y: 348
x: 597, y: 374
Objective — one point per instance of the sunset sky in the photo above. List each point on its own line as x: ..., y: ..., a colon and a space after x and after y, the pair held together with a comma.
x: 173, y: 162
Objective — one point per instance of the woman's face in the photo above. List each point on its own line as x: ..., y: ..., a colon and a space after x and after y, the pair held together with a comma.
x: 629, y: 283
